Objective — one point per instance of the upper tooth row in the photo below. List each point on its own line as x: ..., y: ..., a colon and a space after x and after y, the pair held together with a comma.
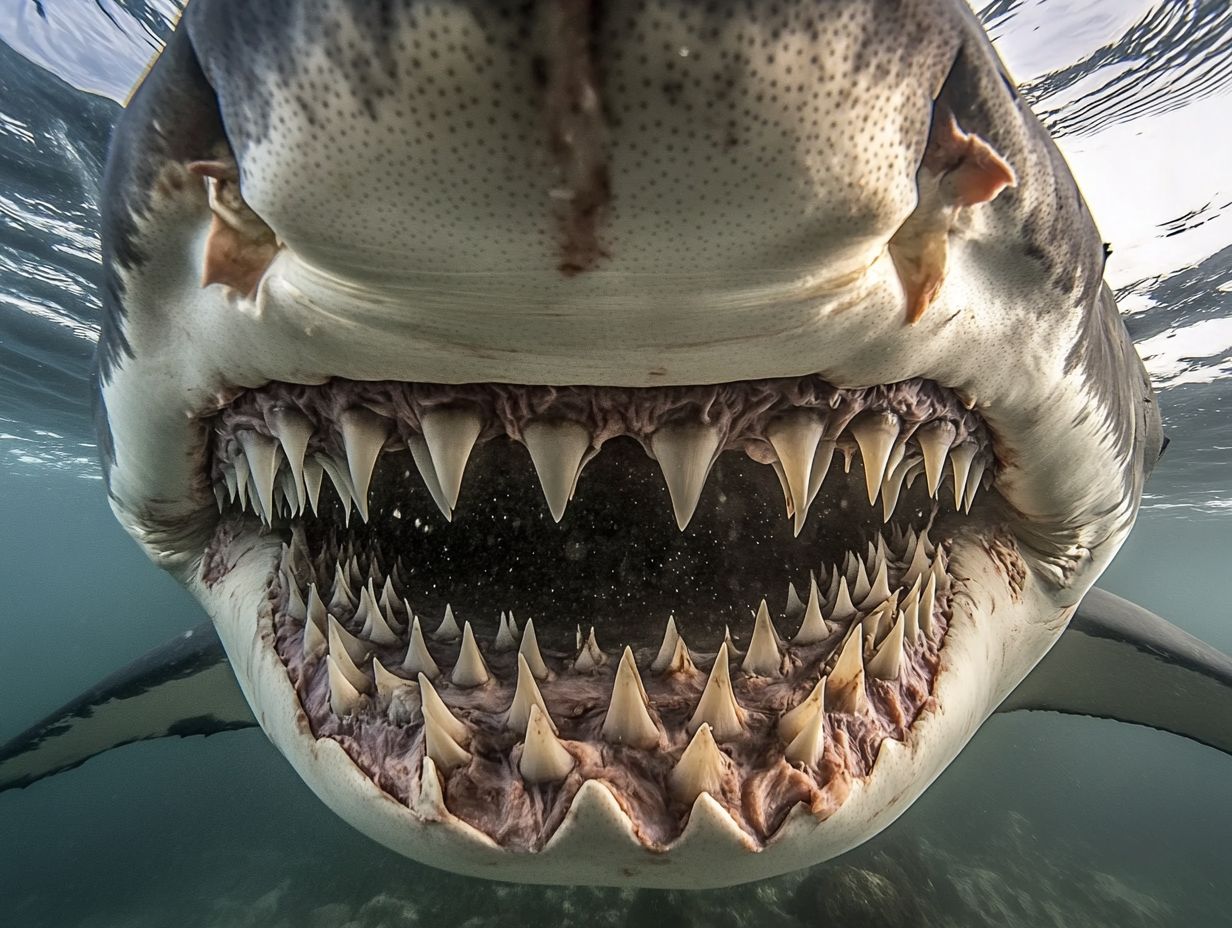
x: 801, y: 455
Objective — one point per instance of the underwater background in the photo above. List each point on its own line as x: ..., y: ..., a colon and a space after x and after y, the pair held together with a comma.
x: 1043, y: 820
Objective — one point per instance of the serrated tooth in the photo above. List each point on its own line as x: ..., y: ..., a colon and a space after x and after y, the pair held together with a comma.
x: 262, y: 454
x: 911, y: 613
x: 794, y: 608
x: 807, y: 747
x: 974, y: 479
x: 685, y: 452
x: 556, y: 449
x: 314, y: 642
x: 718, y: 705
x: 794, y: 438
x: 927, y: 602
x: 544, y: 758
x: 667, y: 648
x: 525, y: 695
x: 875, y: 433
x: 342, y: 484
x: 340, y: 639
x: 821, y: 467
x: 960, y: 463
x: 448, y: 629
x: 764, y: 658
x: 504, y: 636
x: 935, y: 440
x: 879, y: 591
x: 887, y: 660
x: 628, y: 721
x: 434, y: 707
x: 862, y: 586
x: 423, y: 463
x: 701, y: 768
x: 344, y: 696
x: 730, y: 643
x: 845, y: 684
x: 529, y: 650
x: 313, y: 474
x: 418, y: 659
x: 590, y: 655
x: 451, y: 434
x: 843, y: 608
x: 293, y: 430
x: 445, y: 752
x: 813, y: 627
x: 470, y: 670
x: 795, y: 720
x: 387, y: 682
x: 363, y: 436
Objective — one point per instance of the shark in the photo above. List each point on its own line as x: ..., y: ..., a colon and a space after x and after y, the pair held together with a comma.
x: 632, y: 444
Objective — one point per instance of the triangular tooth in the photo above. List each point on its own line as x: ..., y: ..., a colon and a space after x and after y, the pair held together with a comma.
x: 927, y: 602
x: 423, y: 462
x: 845, y: 685
x: 347, y: 663
x: 434, y: 707
x: 387, y: 682
x: 911, y: 613
x: 795, y: 720
x: 344, y: 696
x: 851, y: 564
x: 444, y: 750
x: 295, y: 602
x: 628, y: 721
x: 591, y: 655
x: 881, y: 617
x: 361, y: 613
x: 286, y: 500
x: 920, y: 563
x: 832, y: 589
x: 228, y: 475
x: 529, y: 650
x: 431, y: 801
x: 342, y: 484
x: 974, y: 480
x: 960, y: 463
x: 879, y: 592
x: 887, y: 660
x: 935, y: 440
x: 685, y: 452
x: 680, y: 662
x: 667, y: 648
x: 262, y: 454
x: 313, y: 475
x: 813, y: 627
x: 448, y: 629
x: 389, y: 596
x: 821, y: 467
x: 730, y: 643
x: 718, y: 705
x: 794, y: 607
x: 782, y: 475
x: 418, y: 659
x: 807, y: 747
x: 342, y: 598
x: 242, y: 476
x: 702, y: 768
x: 764, y: 658
x: 525, y: 695
x: 354, y: 574
x: 794, y: 438
x: 875, y: 433
x: 470, y: 670
x: 341, y: 639
x: 544, y: 758
x: 451, y: 434
x: 293, y: 429
x: 363, y: 435
x: 504, y: 636
x: 378, y: 629
x: 862, y: 585
x: 556, y: 449
x: 892, y: 489
x: 314, y: 642
x: 513, y: 626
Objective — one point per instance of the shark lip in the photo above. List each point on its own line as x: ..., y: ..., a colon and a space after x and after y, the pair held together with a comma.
x: 463, y: 642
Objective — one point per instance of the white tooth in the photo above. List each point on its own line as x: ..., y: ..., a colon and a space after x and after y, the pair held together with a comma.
x: 782, y: 475
x: 513, y: 626
x: 893, y: 488
x: 342, y: 598
x: 807, y: 746
x: 718, y: 705
x: 935, y: 440
x: 423, y: 461
x: 627, y: 720
x: 927, y: 602
x: 361, y: 613
x: 525, y: 696
x: 445, y: 752
x: 363, y: 435
x: 556, y: 449
x: 845, y: 685
x: 813, y: 627
x: 286, y: 496
x: 470, y: 670
x: 314, y: 640
x: 911, y: 613
x: 960, y: 463
x: 418, y: 659
x: 974, y: 478
x: 344, y: 696
x: 262, y: 454
x: 685, y: 452
x: 353, y: 572
x: 590, y: 656
x: 763, y: 659
x: 843, y: 607
x: 295, y: 602
x: 529, y: 650
x: 879, y: 618
x: 832, y: 589
x: 430, y: 804
x: 862, y: 585
x: 795, y: 605
x: 701, y: 768
x: 378, y: 629
x: 875, y: 433
x: 794, y: 438
x: 504, y: 636
x: 313, y: 474
x: 342, y: 640
x: 342, y: 484
x: 347, y: 665
x: 448, y: 629
x: 293, y: 430
x: 434, y: 707
x: 821, y: 466
x: 241, y: 478
x: 880, y: 590
x: 887, y: 660
x: 939, y: 571
x: 544, y: 758
x: 451, y: 435
x: 388, y: 596
x: 795, y: 720
x: 228, y: 475
x: 909, y: 541
x: 387, y: 682
x: 730, y: 643
x: 667, y: 648
x: 680, y: 662
x: 919, y: 562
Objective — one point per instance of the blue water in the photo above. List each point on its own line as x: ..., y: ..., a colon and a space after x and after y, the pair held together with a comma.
x: 1043, y: 820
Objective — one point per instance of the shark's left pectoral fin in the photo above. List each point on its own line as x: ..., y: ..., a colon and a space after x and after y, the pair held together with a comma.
x: 1120, y: 661
x: 184, y: 687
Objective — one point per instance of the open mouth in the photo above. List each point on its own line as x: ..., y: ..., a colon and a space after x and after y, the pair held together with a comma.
x: 739, y: 590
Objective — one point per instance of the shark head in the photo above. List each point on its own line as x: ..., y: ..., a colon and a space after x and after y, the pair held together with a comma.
x: 615, y: 444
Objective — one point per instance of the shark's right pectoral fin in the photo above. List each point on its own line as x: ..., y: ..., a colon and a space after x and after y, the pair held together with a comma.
x: 1119, y: 661
x: 185, y: 687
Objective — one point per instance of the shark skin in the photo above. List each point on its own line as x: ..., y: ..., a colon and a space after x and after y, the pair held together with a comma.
x: 538, y: 223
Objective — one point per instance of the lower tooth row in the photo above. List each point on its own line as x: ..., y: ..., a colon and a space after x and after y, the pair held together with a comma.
x: 252, y: 471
